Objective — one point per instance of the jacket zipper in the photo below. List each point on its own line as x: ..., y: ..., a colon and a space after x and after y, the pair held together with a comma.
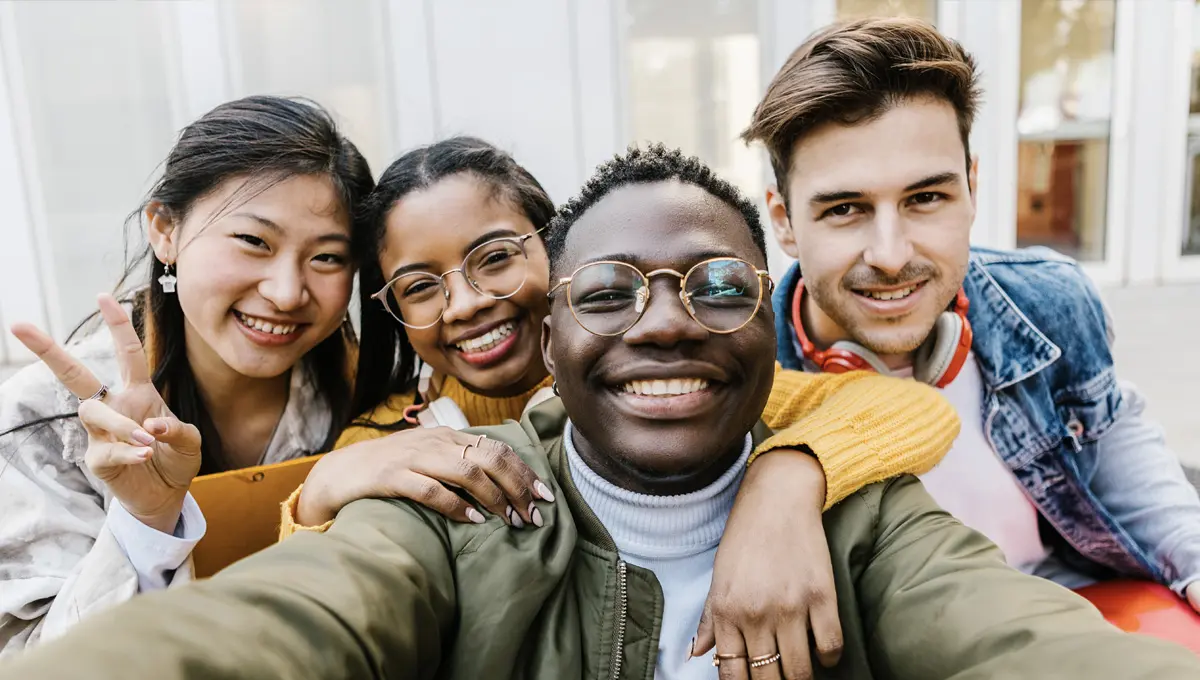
x: 622, y: 612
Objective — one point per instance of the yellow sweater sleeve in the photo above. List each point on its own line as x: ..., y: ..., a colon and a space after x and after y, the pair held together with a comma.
x: 862, y: 427
x: 287, y: 511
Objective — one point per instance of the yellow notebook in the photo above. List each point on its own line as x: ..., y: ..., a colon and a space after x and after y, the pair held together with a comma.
x: 242, y: 510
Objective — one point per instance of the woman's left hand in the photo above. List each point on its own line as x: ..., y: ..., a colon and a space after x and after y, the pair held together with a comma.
x: 773, y: 577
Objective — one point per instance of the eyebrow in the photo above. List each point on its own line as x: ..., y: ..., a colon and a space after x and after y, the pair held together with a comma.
x: 693, y: 258
x: 274, y: 227
x: 942, y: 178
x: 482, y: 239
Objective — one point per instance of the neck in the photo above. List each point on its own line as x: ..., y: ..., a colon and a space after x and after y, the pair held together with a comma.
x: 615, y: 468
x: 823, y: 331
x: 656, y: 527
x: 244, y: 410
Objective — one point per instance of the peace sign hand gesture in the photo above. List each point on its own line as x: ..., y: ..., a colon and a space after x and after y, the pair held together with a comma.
x: 146, y: 455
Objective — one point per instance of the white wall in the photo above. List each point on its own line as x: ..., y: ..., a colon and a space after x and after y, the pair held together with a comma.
x: 92, y: 94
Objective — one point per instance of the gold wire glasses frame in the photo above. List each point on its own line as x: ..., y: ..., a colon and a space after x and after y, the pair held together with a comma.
x: 641, y: 297
x: 472, y: 278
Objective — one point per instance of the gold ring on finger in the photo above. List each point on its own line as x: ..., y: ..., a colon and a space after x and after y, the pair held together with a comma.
x: 765, y: 660
x: 718, y: 658
x: 100, y: 393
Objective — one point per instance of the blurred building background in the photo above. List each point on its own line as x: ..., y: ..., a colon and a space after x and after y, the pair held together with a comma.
x: 1089, y: 136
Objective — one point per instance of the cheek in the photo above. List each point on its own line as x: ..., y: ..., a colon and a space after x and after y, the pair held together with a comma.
x: 210, y: 277
x: 946, y: 241
x: 827, y: 254
x: 332, y: 292
x: 571, y: 352
x: 532, y: 299
x: 425, y: 342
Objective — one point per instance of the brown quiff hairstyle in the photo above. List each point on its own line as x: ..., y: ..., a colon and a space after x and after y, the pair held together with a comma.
x: 852, y: 73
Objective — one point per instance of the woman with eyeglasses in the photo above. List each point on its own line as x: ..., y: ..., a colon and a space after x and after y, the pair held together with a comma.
x: 458, y: 293
x: 234, y: 350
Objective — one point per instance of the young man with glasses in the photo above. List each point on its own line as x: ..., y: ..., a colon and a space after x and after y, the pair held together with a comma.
x: 614, y: 582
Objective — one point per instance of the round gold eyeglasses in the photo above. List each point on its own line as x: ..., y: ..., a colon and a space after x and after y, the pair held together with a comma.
x: 497, y: 269
x: 608, y: 298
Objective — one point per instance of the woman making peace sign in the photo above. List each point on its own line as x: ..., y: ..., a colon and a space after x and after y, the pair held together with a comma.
x: 247, y: 359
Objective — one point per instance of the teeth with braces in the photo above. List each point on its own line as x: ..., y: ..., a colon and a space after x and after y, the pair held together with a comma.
x: 266, y: 326
x: 488, y: 340
x: 898, y: 294
x: 665, y: 388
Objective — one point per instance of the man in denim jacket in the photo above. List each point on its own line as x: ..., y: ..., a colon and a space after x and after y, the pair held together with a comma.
x: 867, y: 125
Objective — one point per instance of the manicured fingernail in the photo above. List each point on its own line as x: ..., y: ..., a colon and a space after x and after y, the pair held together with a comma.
x: 691, y: 649
x: 475, y: 516
x: 543, y: 491
x: 535, y: 515
x: 142, y: 437
x: 157, y: 425
x: 145, y: 454
x: 517, y: 522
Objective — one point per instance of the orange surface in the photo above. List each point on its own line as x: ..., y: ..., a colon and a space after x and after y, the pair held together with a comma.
x: 242, y: 510
x: 1148, y: 608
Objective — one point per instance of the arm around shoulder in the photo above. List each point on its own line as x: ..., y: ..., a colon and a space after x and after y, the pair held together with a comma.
x: 863, y: 427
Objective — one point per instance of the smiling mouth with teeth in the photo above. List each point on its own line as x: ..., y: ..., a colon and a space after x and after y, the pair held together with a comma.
x: 886, y: 295
x: 488, y: 340
x: 664, y: 388
x: 264, y: 326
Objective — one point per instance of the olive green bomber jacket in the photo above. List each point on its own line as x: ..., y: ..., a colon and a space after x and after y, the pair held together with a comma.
x: 393, y: 590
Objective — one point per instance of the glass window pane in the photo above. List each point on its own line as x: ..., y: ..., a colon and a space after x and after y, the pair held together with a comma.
x: 98, y: 94
x: 694, y: 71
x: 857, y: 9
x: 329, y: 51
x: 1191, y: 231
x: 1064, y: 124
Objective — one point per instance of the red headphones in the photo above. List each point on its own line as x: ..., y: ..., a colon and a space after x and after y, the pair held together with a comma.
x: 937, y: 362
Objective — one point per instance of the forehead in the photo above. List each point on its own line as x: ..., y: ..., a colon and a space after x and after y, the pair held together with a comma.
x: 916, y: 139
x: 300, y: 204
x: 437, y: 225
x: 660, y: 224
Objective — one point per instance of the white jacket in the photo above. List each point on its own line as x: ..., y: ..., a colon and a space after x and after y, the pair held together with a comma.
x: 59, y: 561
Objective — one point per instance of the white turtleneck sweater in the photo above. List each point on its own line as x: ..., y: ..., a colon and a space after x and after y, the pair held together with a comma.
x: 675, y: 537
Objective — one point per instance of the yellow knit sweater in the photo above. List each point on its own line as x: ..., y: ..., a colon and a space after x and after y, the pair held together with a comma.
x: 862, y: 427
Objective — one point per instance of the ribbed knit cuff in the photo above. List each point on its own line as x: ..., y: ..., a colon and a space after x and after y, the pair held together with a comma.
x: 287, y: 521
x: 838, y: 448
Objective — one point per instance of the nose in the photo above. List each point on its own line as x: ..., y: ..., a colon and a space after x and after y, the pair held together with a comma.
x: 285, y: 287
x: 889, y: 250
x: 464, y: 301
x: 665, y: 322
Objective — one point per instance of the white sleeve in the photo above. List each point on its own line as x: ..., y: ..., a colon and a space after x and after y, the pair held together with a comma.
x: 155, y: 555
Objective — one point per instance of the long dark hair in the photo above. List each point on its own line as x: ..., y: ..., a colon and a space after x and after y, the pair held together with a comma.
x: 387, y: 364
x: 263, y: 140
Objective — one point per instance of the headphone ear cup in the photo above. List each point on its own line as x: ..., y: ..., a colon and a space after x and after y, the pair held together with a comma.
x: 935, y: 356
x: 868, y: 357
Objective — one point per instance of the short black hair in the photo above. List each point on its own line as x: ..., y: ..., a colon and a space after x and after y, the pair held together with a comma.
x: 656, y: 163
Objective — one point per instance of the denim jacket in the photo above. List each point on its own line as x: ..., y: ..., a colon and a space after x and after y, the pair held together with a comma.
x: 1107, y: 487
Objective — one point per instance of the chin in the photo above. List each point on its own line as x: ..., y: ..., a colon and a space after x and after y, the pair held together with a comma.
x: 894, y: 340
x: 261, y: 366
